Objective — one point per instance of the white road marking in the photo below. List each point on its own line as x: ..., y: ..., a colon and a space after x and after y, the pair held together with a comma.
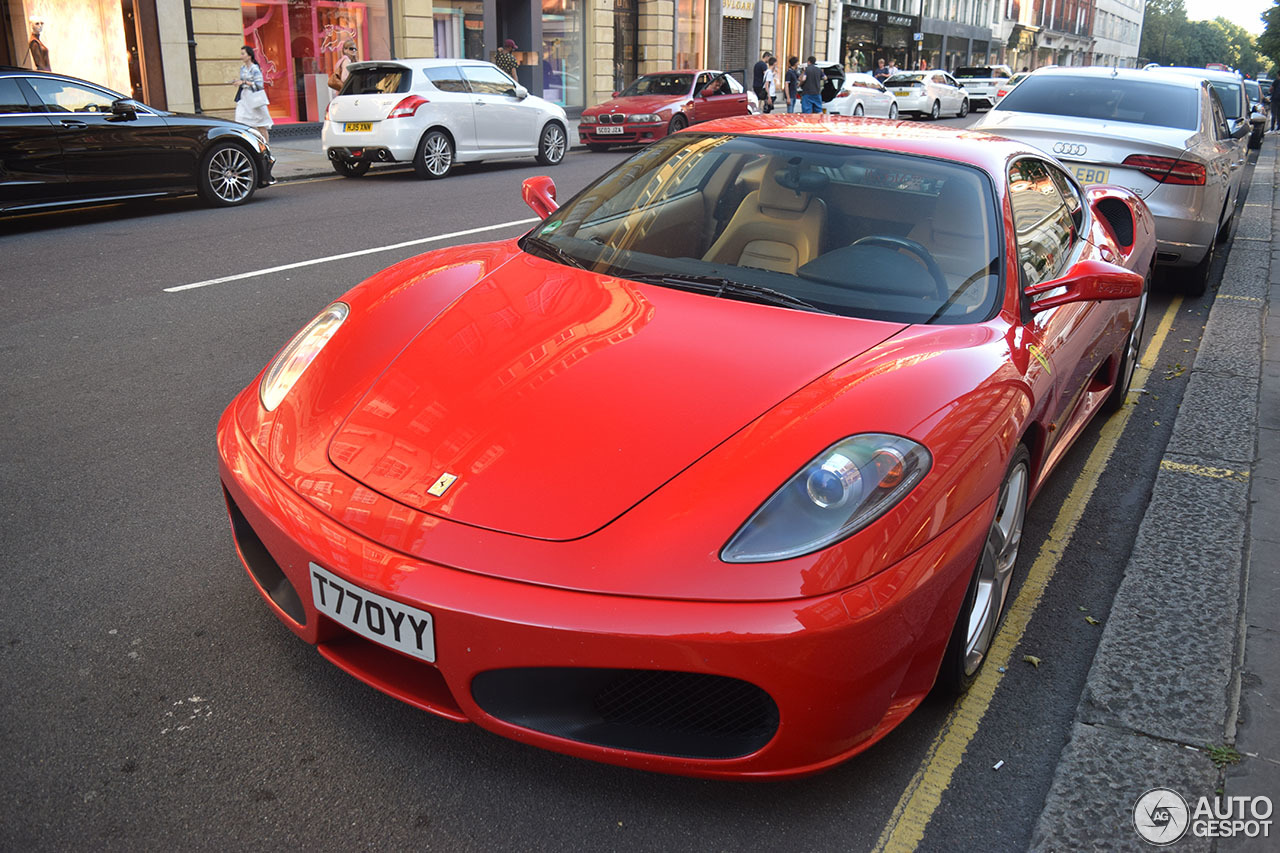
x: 226, y: 278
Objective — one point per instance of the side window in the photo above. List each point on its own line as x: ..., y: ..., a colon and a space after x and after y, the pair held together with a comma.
x: 1042, y: 222
x: 734, y: 86
x: 488, y: 80
x: 1220, y: 128
x: 63, y: 96
x: 1070, y: 195
x: 447, y: 79
x: 11, y: 98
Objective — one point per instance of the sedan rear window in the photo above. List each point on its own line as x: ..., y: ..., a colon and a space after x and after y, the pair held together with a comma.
x: 1107, y: 99
x: 981, y: 71
x: 377, y: 80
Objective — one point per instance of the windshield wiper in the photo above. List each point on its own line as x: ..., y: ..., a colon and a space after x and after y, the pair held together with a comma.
x: 725, y: 287
x: 554, y: 251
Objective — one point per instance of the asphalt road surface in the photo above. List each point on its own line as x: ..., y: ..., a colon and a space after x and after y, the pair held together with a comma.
x: 152, y: 701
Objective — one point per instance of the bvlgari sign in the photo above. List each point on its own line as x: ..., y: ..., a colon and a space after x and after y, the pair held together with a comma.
x: 738, y: 8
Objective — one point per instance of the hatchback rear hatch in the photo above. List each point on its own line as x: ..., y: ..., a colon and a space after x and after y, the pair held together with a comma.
x: 371, y: 91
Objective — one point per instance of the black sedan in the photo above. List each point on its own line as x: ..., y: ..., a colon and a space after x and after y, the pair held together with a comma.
x: 68, y: 141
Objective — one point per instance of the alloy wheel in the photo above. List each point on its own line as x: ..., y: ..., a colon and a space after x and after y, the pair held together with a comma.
x: 995, y: 571
x: 231, y: 174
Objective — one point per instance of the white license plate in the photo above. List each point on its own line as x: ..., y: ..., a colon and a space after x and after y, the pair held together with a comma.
x: 358, y: 127
x: 1091, y: 174
x: 610, y: 129
x: 386, y: 622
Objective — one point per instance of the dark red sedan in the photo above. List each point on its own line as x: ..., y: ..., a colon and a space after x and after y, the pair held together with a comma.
x: 658, y: 104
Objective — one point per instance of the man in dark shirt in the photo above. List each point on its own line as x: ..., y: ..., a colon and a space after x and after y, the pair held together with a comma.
x: 881, y: 72
x: 757, y: 77
x: 793, y: 84
x: 811, y: 87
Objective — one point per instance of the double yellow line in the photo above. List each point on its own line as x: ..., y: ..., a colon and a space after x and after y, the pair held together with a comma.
x: 923, y: 793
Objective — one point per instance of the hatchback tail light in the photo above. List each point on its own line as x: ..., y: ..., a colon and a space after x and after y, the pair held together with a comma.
x: 842, y: 94
x: 1167, y: 170
x: 407, y: 107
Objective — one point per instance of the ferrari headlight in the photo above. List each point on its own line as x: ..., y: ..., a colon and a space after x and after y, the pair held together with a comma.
x: 289, y: 365
x: 842, y: 490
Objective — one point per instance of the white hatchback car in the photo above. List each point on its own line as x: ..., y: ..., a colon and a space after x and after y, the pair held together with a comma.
x: 864, y: 95
x: 437, y: 112
x: 928, y: 93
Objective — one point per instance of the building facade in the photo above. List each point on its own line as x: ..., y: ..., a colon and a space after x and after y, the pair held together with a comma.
x: 184, y: 54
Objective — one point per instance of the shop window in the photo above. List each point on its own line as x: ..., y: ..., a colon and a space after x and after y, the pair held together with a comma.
x: 791, y: 31
x: 691, y: 33
x: 299, y: 42
x: 459, y: 29
x: 563, y: 49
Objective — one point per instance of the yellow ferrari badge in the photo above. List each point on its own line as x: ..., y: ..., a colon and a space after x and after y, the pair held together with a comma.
x: 1039, y: 356
x: 442, y: 485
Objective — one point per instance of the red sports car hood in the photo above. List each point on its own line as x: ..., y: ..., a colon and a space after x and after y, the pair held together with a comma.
x: 636, y: 104
x: 559, y: 399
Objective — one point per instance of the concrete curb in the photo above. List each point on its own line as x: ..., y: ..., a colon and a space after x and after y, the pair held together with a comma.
x: 1166, y: 681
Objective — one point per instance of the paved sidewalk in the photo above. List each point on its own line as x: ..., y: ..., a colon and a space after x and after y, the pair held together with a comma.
x: 1190, y: 656
x: 300, y: 156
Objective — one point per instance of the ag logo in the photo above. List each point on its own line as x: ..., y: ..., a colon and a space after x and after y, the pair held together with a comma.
x: 1069, y: 148
x: 1161, y: 816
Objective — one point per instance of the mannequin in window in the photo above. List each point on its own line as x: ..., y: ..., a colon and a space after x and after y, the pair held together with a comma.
x: 39, y: 53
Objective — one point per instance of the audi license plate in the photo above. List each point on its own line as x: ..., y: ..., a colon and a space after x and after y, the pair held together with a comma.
x: 386, y: 622
x: 613, y: 128
x: 1090, y: 174
x: 358, y: 127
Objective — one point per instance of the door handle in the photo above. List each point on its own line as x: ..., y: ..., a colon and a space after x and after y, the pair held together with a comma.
x: 74, y: 124
x: 481, y: 103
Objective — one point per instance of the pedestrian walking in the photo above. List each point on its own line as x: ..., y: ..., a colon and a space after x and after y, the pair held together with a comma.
x: 1275, y: 105
x: 252, y: 106
x: 506, y: 58
x: 793, y: 84
x: 757, y: 77
x: 811, y: 87
x: 771, y: 85
x: 340, y: 71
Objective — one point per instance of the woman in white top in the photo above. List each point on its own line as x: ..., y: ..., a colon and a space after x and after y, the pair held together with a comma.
x: 251, y: 80
x: 771, y: 84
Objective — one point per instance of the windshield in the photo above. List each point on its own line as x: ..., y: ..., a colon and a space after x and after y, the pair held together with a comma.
x: 805, y: 225
x: 660, y: 84
x: 1254, y: 90
x: 1107, y: 99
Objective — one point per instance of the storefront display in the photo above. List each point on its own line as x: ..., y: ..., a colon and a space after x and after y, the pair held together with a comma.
x: 691, y: 33
x: 870, y: 35
x: 299, y: 43
x: 83, y: 38
x: 562, y: 52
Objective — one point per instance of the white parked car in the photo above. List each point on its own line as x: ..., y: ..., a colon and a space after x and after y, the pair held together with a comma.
x: 1166, y: 137
x: 928, y: 93
x: 437, y: 112
x: 864, y: 95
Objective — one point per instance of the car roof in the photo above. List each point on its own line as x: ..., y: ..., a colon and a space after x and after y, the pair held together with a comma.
x: 962, y: 145
x: 418, y: 64
x: 1202, y: 73
x: 1184, y: 80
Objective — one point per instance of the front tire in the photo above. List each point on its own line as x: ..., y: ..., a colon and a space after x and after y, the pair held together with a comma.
x: 351, y: 168
x: 893, y: 112
x: 552, y: 144
x: 984, y: 601
x: 964, y: 108
x: 434, y: 159
x: 227, y: 175
x: 678, y: 123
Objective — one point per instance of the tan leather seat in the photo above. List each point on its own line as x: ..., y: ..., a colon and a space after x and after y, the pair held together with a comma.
x: 775, y: 228
x: 956, y: 232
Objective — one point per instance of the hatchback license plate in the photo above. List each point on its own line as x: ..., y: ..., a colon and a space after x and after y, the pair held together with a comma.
x: 1088, y: 175
x: 610, y: 129
x: 358, y: 127
x: 901, y: 93
x: 388, y: 623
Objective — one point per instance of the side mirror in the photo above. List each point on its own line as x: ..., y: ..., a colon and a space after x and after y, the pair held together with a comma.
x: 614, y: 95
x: 540, y: 194
x: 1240, y: 129
x: 124, y: 109
x: 1087, y: 281
x: 520, y: 92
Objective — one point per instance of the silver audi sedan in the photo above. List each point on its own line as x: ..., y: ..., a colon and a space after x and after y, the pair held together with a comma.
x: 1164, y: 136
